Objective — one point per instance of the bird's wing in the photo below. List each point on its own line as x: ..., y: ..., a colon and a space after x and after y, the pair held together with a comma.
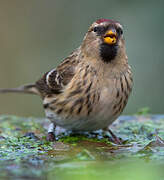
x: 54, y: 81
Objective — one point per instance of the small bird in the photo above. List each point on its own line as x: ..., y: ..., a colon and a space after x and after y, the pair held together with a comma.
x: 90, y: 88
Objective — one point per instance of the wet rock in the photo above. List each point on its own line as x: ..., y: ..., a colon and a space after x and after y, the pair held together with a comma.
x: 159, y: 142
x: 31, y: 135
x: 2, y: 138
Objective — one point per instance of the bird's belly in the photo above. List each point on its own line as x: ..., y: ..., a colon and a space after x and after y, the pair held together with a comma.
x: 103, y: 113
x: 96, y: 121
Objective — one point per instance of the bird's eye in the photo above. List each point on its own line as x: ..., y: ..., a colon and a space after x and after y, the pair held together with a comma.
x: 120, y: 31
x: 95, y: 29
x: 99, y: 30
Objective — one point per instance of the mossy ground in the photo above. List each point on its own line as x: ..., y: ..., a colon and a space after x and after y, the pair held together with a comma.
x: 26, y: 154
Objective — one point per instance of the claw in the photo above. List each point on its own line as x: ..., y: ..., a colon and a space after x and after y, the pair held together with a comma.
x: 51, y: 137
x: 115, y: 139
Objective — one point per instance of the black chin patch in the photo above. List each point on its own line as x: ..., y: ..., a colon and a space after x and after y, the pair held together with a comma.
x: 108, y: 52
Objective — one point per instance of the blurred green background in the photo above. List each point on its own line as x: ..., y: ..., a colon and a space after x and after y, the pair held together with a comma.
x: 35, y: 35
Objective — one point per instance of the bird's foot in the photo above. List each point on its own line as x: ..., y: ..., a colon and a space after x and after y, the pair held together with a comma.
x: 50, y: 137
x: 114, y: 138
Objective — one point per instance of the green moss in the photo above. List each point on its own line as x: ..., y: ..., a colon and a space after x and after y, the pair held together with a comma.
x: 72, y: 139
x: 143, y: 111
x: 78, y: 138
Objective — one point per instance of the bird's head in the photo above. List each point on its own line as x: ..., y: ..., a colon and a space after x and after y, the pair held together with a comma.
x: 104, y: 39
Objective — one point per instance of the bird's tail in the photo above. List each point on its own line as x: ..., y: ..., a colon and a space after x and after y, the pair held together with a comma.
x: 28, y: 89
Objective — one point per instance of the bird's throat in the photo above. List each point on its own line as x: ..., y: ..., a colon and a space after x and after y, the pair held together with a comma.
x: 108, y: 52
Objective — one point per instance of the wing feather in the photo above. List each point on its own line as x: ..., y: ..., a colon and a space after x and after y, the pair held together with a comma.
x: 54, y: 81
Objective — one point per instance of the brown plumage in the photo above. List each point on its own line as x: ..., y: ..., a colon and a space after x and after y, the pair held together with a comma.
x: 90, y: 88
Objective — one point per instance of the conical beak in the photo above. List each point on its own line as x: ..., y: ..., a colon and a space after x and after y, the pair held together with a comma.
x: 110, y: 37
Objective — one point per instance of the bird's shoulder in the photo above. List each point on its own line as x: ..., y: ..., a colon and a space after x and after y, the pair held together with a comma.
x: 56, y: 79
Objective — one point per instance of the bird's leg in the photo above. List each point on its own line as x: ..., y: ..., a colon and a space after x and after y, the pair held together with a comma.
x: 115, y: 139
x: 51, y: 135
